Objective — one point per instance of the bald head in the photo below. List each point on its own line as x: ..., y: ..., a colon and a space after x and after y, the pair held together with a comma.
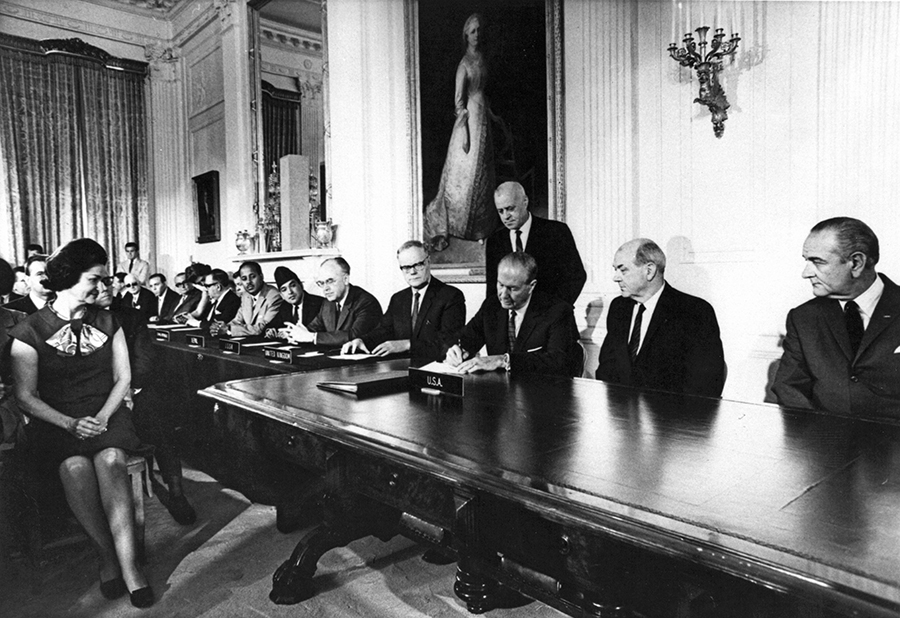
x: 512, y: 205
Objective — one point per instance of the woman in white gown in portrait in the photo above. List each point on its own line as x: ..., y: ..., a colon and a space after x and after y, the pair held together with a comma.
x: 464, y: 207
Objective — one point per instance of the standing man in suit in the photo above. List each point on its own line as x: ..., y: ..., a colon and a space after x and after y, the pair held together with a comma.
x: 166, y: 298
x: 259, y: 305
x: 138, y: 297
x: 420, y: 317
x: 656, y: 336
x: 347, y: 313
x: 133, y: 264
x: 524, y: 329
x: 550, y: 243
x: 38, y: 295
x: 842, y: 348
x: 298, y: 306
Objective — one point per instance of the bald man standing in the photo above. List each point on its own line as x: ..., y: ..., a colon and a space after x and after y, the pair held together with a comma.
x: 656, y: 336
x: 550, y: 243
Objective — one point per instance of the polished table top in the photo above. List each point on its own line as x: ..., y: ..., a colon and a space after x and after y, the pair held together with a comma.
x: 806, y: 493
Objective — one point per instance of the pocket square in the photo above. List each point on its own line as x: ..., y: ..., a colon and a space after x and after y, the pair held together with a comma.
x: 897, y: 351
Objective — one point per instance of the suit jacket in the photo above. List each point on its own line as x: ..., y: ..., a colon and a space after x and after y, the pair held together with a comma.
x: 311, y: 306
x: 23, y: 304
x: 547, y: 341
x: 146, y: 302
x: 817, y: 369
x: 360, y: 313
x: 140, y: 270
x: 171, y: 299
x: 252, y: 319
x: 442, y: 313
x: 681, y: 352
x: 225, y: 311
x: 187, y: 303
x: 550, y: 243
x: 142, y: 353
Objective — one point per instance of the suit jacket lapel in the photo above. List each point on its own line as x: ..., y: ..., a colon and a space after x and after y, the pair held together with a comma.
x: 660, y: 315
x: 886, y: 313
x: 834, y: 320
x: 535, y: 308
x: 424, y: 305
x: 345, y: 308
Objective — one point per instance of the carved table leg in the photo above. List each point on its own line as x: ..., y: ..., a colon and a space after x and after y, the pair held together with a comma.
x: 479, y: 593
x: 293, y: 580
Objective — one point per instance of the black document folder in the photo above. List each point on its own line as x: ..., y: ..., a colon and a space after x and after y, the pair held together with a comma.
x: 372, y: 384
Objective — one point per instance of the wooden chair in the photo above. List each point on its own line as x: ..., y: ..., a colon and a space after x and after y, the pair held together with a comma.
x: 139, y: 472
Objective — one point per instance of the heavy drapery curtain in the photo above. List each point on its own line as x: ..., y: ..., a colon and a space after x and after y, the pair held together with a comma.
x: 281, y: 124
x: 73, y: 147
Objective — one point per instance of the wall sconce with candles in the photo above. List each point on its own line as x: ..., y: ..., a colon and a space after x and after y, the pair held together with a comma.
x: 708, y: 65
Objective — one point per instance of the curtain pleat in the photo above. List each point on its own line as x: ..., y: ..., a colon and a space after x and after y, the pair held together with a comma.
x: 73, y: 153
x: 281, y: 127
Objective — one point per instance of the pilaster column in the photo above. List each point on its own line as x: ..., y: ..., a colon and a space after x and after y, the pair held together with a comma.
x: 171, y: 213
x: 237, y: 188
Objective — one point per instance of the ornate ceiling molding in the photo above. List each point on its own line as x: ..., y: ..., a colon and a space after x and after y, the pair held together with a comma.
x: 77, y: 26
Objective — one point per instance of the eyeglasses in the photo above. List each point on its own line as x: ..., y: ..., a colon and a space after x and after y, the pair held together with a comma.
x: 412, y: 267
x: 179, y: 284
x: 327, y: 283
x: 133, y: 285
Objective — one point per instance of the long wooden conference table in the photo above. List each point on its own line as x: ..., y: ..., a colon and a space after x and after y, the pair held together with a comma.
x: 595, y: 499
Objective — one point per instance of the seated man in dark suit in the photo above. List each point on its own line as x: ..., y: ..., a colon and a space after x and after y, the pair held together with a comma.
x: 347, y: 313
x: 842, y: 348
x: 298, y: 306
x: 419, y: 317
x: 259, y: 305
x: 38, y: 295
x: 166, y: 298
x: 218, y: 302
x: 549, y: 242
x: 525, y: 330
x: 138, y: 297
x: 656, y: 336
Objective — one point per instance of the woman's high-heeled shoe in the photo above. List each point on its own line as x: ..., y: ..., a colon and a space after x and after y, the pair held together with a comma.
x: 142, y: 597
x: 113, y: 589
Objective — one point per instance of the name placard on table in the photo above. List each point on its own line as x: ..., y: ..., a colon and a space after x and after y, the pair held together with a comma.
x: 195, y: 340
x: 230, y: 346
x: 282, y: 353
x: 432, y: 382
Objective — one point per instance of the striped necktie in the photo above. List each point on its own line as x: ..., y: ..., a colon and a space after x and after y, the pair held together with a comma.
x: 511, y: 332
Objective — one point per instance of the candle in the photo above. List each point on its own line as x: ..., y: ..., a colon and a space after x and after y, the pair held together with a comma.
x: 674, y: 38
x: 733, y: 11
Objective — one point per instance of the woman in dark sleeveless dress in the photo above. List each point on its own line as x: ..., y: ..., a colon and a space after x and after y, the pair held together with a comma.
x: 70, y: 363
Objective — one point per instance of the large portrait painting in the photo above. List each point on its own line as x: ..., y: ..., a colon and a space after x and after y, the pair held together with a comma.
x: 206, y: 207
x: 487, y: 96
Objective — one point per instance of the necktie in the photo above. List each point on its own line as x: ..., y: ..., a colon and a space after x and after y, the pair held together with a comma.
x: 519, y: 247
x: 634, y: 343
x: 130, y: 265
x: 854, y: 324
x: 337, y: 309
x: 511, y: 332
x: 415, y: 311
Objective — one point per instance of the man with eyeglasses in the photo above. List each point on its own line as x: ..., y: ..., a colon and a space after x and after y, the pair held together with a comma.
x: 218, y: 303
x: 193, y: 294
x: 166, y: 298
x: 38, y: 295
x: 419, y: 317
x: 524, y: 330
x: 347, y: 313
x: 138, y: 297
x: 299, y: 306
x: 259, y: 305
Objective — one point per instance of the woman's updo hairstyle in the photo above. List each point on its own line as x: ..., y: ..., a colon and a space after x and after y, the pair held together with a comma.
x: 65, y: 266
